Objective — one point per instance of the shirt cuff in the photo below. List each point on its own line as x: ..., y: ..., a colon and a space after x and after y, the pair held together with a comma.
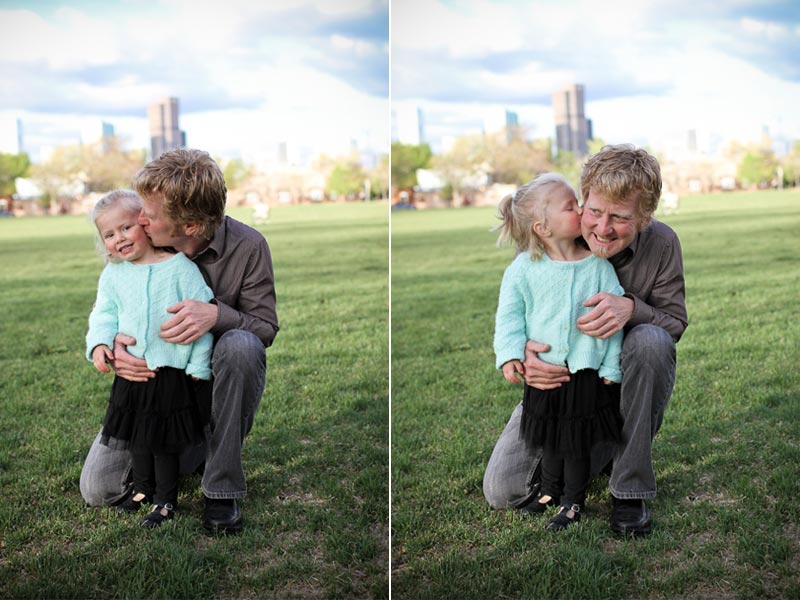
x: 642, y: 312
x: 227, y: 318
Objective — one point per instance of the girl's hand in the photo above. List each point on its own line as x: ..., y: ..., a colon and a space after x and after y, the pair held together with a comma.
x: 608, y: 381
x: 510, y: 370
x: 100, y: 355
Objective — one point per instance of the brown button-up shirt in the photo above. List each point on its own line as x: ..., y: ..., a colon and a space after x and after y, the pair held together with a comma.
x: 237, y: 266
x: 650, y: 271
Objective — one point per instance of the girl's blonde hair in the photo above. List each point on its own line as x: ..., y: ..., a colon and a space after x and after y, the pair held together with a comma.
x: 125, y: 199
x: 518, y: 212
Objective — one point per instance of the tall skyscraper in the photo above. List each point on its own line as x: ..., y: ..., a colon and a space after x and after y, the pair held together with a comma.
x: 573, y: 129
x: 108, y: 136
x: 165, y: 134
x: 512, y: 125
x: 408, y: 126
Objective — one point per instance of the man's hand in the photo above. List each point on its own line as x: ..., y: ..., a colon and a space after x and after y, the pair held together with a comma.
x: 609, y: 315
x: 127, y: 366
x: 540, y: 374
x: 192, y: 320
x: 510, y: 370
x: 100, y: 355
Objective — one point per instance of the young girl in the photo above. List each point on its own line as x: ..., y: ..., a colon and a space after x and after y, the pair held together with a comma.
x: 158, y: 418
x: 540, y: 299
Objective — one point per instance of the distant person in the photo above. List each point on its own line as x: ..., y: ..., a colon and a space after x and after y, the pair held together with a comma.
x: 158, y: 418
x: 621, y: 186
x: 541, y: 294
x: 183, y: 194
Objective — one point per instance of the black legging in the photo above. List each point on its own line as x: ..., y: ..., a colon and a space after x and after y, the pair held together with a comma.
x: 565, y: 479
x: 156, y: 476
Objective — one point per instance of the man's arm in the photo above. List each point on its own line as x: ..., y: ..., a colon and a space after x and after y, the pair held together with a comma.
x: 127, y: 366
x: 666, y: 304
x: 540, y: 374
x: 610, y: 314
x: 655, y: 292
x: 255, y: 309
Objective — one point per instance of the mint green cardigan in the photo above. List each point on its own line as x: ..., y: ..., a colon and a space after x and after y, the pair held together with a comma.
x: 133, y: 299
x: 542, y: 299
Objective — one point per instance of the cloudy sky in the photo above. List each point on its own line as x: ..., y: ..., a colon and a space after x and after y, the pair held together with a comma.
x: 248, y: 74
x: 652, y: 69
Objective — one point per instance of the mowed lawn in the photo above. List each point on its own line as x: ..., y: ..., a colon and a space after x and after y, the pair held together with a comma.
x: 727, y: 456
x: 316, y: 512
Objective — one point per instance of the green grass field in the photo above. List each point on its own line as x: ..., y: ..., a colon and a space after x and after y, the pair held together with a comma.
x: 727, y: 455
x: 316, y: 513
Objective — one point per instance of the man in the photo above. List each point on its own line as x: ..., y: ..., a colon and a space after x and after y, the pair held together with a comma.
x: 621, y: 187
x: 183, y: 197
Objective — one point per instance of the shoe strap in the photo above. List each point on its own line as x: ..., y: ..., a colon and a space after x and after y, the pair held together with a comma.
x: 163, y: 509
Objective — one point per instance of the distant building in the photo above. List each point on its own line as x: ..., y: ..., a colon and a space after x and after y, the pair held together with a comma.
x: 108, y: 136
x: 11, y: 136
x: 503, y: 121
x: 20, y: 143
x: 691, y: 140
x: 165, y: 134
x: 573, y: 129
x: 512, y: 125
x: 408, y: 125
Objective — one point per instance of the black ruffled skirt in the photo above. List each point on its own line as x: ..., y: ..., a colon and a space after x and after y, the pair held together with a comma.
x: 571, y: 420
x: 163, y: 415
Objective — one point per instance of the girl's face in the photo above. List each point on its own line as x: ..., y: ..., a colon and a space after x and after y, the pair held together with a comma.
x: 122, y: 235
x: 564, y: 214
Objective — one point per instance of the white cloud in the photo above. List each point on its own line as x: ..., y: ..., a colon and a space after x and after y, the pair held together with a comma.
x: 651, y: 70
x: 245, y: 80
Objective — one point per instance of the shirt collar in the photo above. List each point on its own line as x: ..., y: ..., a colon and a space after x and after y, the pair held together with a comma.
x: 217, y: 243
x: 626, y: 255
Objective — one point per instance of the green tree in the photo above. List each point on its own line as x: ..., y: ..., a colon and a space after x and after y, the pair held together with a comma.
x: 791, y: 165
x: 406, y: 159
x: 570, y: 167
x: 519, y: 160
x: 236, y: 172
x: 101, y: 167
x: 11, y: 167
x: 468, y: 157
x: 60, y: 169
x: 758, y: 166
x: 379, y: 178
x: 346, y: 179
x: 106, y: 166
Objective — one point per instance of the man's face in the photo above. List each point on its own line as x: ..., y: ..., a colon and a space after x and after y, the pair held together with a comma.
x: 610, y: 228
x: 156, y: 224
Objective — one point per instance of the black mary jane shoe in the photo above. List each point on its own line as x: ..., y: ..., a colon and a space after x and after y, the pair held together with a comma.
x: 132, y: 503
x: 562, y: 520
x: 536, y: 507
x: 157, y: 516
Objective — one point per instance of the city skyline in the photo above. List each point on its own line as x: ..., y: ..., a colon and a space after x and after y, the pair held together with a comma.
x: 652, y: 71
x: 312, y: 74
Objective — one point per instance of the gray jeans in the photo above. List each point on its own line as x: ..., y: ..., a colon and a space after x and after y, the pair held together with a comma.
x: 513, y: 474
x: 239, y: 369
